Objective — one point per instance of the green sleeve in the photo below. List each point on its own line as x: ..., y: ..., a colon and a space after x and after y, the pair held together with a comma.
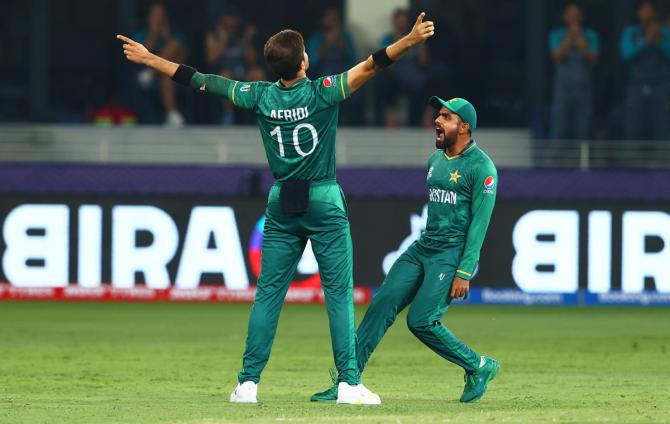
x: 333, y: 89
x: 485, y: 185
x: 242, y: 94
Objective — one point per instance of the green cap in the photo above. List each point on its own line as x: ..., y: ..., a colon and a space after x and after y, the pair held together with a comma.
x: 460, y: 107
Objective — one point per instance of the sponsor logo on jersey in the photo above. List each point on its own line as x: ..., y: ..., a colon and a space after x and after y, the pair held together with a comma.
x: 489, y: 184
x: 328, y: 81
x: 203, y: 87
x: 245, y: 87
x: 430, y: 173
x: 442, y: 275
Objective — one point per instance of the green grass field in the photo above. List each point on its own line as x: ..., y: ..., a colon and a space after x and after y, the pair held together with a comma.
x: 176, y: 363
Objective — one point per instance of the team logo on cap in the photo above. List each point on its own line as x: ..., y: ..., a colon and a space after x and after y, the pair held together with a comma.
x: 327, y: 82
x: 489, y: 182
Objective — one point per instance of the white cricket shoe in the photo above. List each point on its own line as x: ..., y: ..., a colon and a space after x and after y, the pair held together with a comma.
x: 245, y: 393
x: 356, y: 395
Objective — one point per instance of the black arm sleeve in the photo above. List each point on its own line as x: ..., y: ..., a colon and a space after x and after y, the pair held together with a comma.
x: 183, y: 75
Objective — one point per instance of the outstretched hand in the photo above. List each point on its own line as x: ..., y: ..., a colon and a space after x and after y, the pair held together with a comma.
x: 134, y: 51
x: 421, y: 31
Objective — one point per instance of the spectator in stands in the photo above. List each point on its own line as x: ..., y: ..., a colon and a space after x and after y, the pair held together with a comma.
x: 407, y: 77
x: 645, y: 47
x: 574, y: 50
x: 331, y: 49
x: 161, y: 40
x: 230, y: 52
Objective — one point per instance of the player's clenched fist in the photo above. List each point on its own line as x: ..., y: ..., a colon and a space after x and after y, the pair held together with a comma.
x: 134, y: 51
x: 421, y: 31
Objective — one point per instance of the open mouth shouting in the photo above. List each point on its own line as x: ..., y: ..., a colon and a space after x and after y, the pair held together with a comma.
x: 439, y: 135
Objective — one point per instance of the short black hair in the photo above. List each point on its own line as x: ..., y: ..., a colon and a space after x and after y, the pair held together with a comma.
x: 283, y: 53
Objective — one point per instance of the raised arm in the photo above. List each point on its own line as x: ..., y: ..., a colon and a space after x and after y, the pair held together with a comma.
x: 242, y: 94
x: 137, y: 53
x: 361, y: 73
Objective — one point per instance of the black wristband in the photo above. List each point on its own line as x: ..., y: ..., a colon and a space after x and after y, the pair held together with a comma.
x: 382, y: 59
x: 183, y: 75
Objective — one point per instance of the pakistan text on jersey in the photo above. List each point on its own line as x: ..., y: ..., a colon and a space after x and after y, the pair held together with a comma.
x: 290, y: 114
x: 442, y: 196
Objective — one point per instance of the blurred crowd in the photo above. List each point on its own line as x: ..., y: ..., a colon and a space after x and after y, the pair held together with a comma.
x: 233, y: 48
x: 644, y: 47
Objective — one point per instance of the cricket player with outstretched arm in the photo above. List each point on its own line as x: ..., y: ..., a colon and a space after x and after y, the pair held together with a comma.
x: 297, y: 118
x: 435, y: 269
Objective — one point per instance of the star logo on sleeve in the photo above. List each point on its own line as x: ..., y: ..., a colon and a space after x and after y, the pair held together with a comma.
x: 454, y: 176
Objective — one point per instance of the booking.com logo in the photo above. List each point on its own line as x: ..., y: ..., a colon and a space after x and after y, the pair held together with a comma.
x: 306, y: 266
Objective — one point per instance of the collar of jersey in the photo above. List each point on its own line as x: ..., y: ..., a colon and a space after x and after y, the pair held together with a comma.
x: 464, y: 152
x: 292, y: 86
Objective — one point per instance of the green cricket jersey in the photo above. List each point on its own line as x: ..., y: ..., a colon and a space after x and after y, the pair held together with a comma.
x: 461, y: 195
x: 297, y: 123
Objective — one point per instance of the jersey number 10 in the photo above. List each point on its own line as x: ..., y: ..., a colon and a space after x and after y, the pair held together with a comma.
x: 296, y: 141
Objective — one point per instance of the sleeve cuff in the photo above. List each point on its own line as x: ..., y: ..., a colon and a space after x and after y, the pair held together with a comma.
x: 344, y: 84
x: 463, y: 274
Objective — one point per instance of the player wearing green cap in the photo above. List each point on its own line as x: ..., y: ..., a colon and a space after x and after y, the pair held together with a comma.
x: 436, y: 268
x: 297, y: 118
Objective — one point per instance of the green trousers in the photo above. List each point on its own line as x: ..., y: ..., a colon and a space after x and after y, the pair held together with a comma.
x: 284, y: 237
x: 420, y: 277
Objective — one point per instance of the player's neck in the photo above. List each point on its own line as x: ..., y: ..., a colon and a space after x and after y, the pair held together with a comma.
x: 459, y: 147
x: 288, y: 83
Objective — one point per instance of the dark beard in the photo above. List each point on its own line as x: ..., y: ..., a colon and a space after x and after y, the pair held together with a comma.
x: 449, y: 141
